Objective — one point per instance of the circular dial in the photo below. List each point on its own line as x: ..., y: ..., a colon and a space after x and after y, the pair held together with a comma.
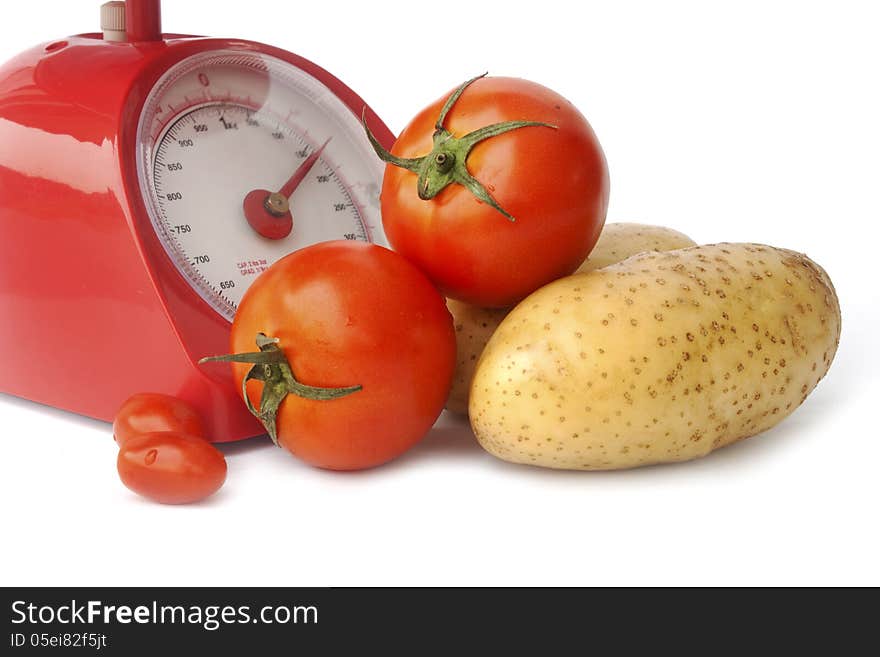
x: 242, y: 159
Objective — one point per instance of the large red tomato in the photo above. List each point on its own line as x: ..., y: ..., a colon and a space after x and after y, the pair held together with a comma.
x: 357, y: 353
x: 503, y: 193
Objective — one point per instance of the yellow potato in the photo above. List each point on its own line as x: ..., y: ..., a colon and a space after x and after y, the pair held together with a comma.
x: 662, y: 357
x: 620, y: 241
x: 474, y: 326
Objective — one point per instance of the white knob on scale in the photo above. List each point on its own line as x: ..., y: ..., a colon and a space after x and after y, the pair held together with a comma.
x: 113, y: 21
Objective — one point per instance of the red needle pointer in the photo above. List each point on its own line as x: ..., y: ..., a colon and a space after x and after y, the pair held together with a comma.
x: 268, y: 213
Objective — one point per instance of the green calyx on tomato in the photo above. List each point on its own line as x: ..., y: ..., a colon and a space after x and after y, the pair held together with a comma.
x: 270, y: 366
x: 446, y: 164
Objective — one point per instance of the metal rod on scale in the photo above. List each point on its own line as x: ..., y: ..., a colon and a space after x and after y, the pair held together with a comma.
x: 143, y: 20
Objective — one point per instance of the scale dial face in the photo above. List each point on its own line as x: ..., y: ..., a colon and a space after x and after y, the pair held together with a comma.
x: 221, y: 125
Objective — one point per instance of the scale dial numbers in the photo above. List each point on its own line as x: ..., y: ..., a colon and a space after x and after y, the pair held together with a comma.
x: 200, y: 203
x: 205, y: 147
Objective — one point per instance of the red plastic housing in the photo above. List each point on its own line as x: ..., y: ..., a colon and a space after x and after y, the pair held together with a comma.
x: 92, y: 309
x: 143, y: 20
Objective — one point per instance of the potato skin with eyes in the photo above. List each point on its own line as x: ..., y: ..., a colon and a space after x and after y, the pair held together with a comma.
x: 474, y: 326
x: 619, y: 241
x: 662, y: 357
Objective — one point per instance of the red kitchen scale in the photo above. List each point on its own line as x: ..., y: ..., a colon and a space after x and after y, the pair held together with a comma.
x: 146, y: 179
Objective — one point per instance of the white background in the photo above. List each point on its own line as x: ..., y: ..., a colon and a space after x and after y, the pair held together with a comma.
x: 747, y: 121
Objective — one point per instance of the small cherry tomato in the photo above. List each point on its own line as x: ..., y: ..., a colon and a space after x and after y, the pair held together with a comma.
x: 151, y: 412
x: 171, y: 467
x: 356, y: 353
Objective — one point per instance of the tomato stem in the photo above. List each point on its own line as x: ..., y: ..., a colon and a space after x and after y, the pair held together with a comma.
x: 453, y: 97
x: 271, y: 366
x: 446, y: 164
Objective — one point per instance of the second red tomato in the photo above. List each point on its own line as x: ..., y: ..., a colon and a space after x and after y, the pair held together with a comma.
x: 368, y: 349
x: 503, y: 193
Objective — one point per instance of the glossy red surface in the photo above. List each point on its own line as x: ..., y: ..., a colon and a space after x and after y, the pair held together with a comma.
x: 269, y: 225
x: 92, y: 308
x: 143, y: 20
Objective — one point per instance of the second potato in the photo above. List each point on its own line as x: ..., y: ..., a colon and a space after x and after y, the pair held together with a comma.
x: 474, y: 326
